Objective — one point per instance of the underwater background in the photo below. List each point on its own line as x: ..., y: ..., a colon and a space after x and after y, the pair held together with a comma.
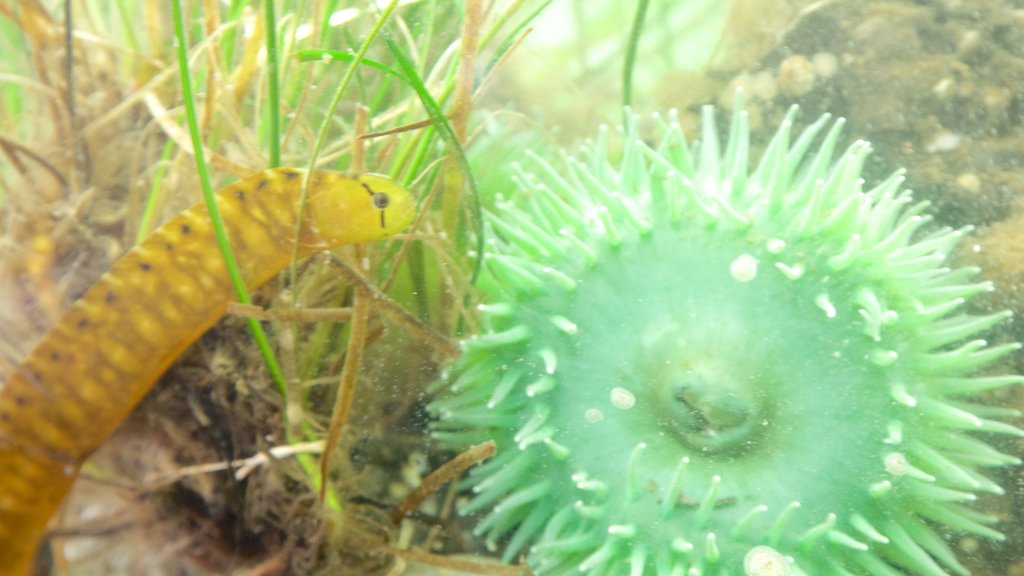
x: 331, y: 447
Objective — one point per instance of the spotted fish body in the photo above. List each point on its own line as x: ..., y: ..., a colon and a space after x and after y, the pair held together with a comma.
x: 87, y: 374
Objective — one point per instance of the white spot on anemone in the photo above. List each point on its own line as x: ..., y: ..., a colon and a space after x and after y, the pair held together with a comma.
x: 765, y: 561
x: 622, y: 399
x: 896, y: 464
x: 743, y: 268
x: 775, y: 245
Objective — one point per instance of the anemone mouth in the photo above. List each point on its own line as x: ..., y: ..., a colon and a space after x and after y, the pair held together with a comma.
x: 692, y: 368
x: 706, y: 407
x: 705, y: 399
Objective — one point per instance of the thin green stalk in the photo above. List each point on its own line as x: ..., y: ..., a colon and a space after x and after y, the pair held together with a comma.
x: 419, y: 155
x: 319, y: 55
x: 428, y: 33
x: 211, y: 202
x: 273, y: 91
x: 444, y: 129
x: 128, y: 26
x: 321, y: 136
x: 513, y: 34
x: 502, y: 18
x: 228, y: 41
x: 304, y: 460
x: 325, y: 21
x: 381, y: 95
x: 154, y: 190
x: 631, y: 50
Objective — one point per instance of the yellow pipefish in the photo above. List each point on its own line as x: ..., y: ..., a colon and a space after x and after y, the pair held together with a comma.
x: 86, y: 374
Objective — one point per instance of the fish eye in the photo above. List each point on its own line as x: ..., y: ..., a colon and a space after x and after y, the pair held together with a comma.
x: 381, y: 200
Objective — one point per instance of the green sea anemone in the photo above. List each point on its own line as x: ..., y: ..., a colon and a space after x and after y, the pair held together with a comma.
x: 694, y: 369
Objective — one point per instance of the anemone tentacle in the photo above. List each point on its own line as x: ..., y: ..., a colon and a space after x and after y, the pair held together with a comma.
x: 695, y: 368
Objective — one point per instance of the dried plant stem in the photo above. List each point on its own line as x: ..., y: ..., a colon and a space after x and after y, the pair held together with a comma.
x: 451, y: 469
x: 461, y: 105
x: 301, y: 315
x: 471, y: 566
x: 396, y: 312
x: 349, y: 374
x: 358, y: 149
x: 14, y: 149
x: 242, y: 466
